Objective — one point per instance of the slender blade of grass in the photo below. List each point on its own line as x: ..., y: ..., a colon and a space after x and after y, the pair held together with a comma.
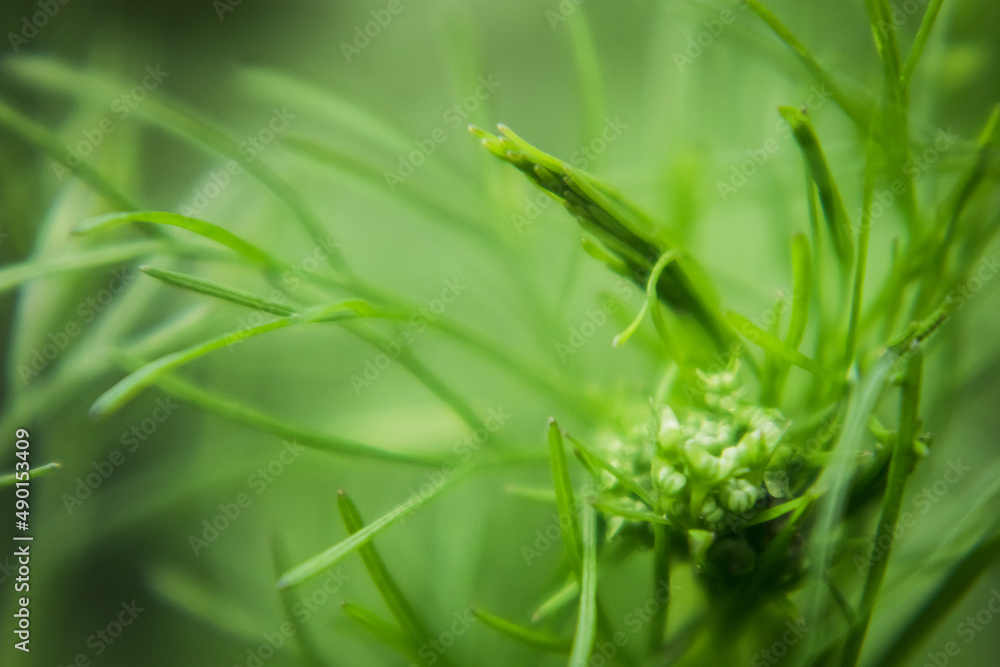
x: 558, y: 600
x: 256, y: 419
x: 327, y: 559
x: 829, y: 195
x: 129, y: 387
x: 209, y: 288
x: 542, y: 641
x: 920, y: 41
x: 413, y: 626
x: 202, y: 228
x: 37, y: 471
x: 565, y: 501
x: 775, y: 345
x: 597, y: 461
x: 586, y: 621
x: 381, y: 630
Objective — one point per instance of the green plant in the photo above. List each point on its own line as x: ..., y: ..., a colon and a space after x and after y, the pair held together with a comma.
x: 746, y: 459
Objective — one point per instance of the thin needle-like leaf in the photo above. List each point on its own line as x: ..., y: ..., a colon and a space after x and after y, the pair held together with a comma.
x: 321, y: 562
x: 564, y: 496
x: 200, y: 227
x: 586, y: 620
x: 775, y: 345
x: 542, y: 641
x: 207, y: 287
x: 413, y: 626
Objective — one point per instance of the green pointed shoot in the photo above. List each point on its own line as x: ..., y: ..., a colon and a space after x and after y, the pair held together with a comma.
x: 597, y: 461
x: 40, y: 471
x: 130, y: 386
x: 565, y: 500
x: 627, y: 234
x: 327, y: 559
x: 829, y: 196
x: 381, y: 630
x: 650, y: 301
x: 404, y: 613
x: 558, y: 600
x: 617, y: 508
x: 586, y: 620
x: 926, y: 25
x: 543, y: 641
x: 209, y: 288
x: 200, y: 227
x: 775, y: 345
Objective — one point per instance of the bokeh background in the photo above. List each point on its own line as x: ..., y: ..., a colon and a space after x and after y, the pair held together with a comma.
x: 679, y: 118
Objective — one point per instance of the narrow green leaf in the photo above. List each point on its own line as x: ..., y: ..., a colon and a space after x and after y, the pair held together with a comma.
x: 834, y: 482
x: 899, y: 471
x: 395, y: 601
x: 200, y: 227
x: 926, y: 25
x: 597, y: 461
x: 618, y: 508
x: 587, y: 60
x: 542, y: 641
x: 829, y: 196
x: 381, y: 630
x: 801, y: 290
x: 586, y: 621
x: 171, y: 115
x: 39, y: 471
x: 321, y: 562
x: 202, y: 286
x: 255, y: 419
x: 851, y: 108
x: 564, y: 596
x: 780, y: 510
x: 777, y: 346
x: 31, y: 269
x: 546, y: 495
x: 130, y: 386
x: 565, y: 500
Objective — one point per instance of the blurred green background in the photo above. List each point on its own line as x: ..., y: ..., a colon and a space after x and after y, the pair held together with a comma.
x: 676, y: 127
